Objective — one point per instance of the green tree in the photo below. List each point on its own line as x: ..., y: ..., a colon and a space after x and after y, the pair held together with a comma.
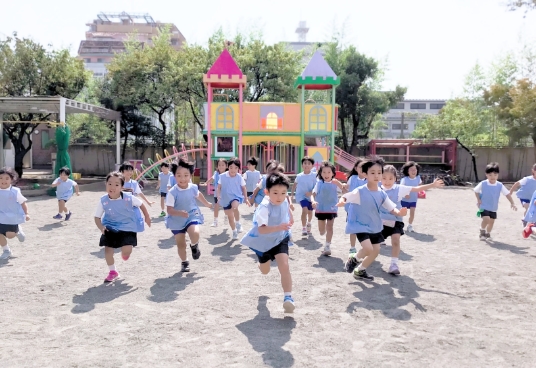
x: 28, y: 69
x: 521, y: 4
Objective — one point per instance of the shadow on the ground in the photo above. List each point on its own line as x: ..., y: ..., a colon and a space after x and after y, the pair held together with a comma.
x: 308, y: 243
x: 330, y: 264
x: 5, y: 262
x: 503, y: 246
x: 425, y: 238
x: 221, y: 238
x: 103, y: 293
x: 167, y: 289
x: 386, y: 251
x: 167, y: 243
x: 248, y: 216
x: 268, y: 335
x: 50, y: 227
x: 157, y: 219
x: 228, y: 252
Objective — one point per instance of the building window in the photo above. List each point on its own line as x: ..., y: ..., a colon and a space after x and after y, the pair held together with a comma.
x: 271, y: 121
x: 437, y: 106
x: 224, y: 118
x: 418, y: 106
x: 87, y: 60
x: 318, y: 118
x: 400, y: 106
x: 45, y: 138
x: 99, y: 60
x: 399, y: 126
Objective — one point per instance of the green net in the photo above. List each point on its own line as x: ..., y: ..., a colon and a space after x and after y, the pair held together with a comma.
x: 62, y: 142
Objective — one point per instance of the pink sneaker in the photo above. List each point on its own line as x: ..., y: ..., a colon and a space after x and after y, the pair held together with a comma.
x: 111, y: 276
x: 527, y: 231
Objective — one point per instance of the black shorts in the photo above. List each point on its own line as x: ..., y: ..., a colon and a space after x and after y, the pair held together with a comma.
x: 397, y: 229
x: 118, y: 239
x: 4, y: 229
x: 325, y: 216
x: 490, y: 214
x: 374, y: 238
x: 249, y: 194
x: 270, y: 254
x: 230, y: 206
x: 163, y: 195
x: 215, y: 200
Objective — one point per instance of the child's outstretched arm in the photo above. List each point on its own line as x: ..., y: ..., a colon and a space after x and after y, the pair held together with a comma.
x: 516, y: 185
x: 436, y: 184
x: 55, y: 183
x: 401, y: 212
x: 77, y: 189
x: 339, y: 184
x: 245, y: 194
x: 146, y: 200
x: 25, y: 209
x: 146, y: 214
x: 209, y: 181
x: 512, y: 203
x: 203, y: 200
x: 293, y: 190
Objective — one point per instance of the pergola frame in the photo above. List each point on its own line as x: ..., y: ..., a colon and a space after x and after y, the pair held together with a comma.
x: 56, y: 105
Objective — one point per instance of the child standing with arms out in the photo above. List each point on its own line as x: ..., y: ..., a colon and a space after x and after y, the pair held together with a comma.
x: 302, y: 190
x: 215, y: 179
x: 411, y: 178
x: 231, y: 192
x: 64, y: 191
x: 163, y: 184
x: 527, y: 187
x: 269, y: 238
x: 393, y: 226
x: 364, y: 218
x: 356, y: 178
x: 119, y: 218
x: 324, y: 201
x: 252, y: 178
x: 487, y: 194
x: 132, y: 185
x: 184, y: 216
x: 13, y: 211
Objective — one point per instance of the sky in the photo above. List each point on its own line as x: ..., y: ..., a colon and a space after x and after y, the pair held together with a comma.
x: 429, y: 45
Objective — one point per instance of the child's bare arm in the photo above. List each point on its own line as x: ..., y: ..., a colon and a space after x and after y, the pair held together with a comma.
x: 25, y: 209
x: 516, y: 185
x: 436, y: 184
x: 99, y: 224
x: 218, y: 192
x: 77, y: 189
x: 272, y: 229
x: 203, y: 200
x: 54, y: 185
x: 245, y: 194
x: 294, y: 186
x: 511, y: 200
x: 338, y: 183
x: 146, y: 214
x: 478, y: 200
x: 146, y: 200
x: 209, y: 181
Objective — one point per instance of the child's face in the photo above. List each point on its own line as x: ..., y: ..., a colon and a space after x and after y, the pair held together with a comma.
x: 492, y: 177
x: 307, y: 166
x: 251, y: 167
x: 233, y: 170
x: 113, y: 187
x: 360, y: 172
x: 327, y: 173
x: 222, y: 166
x: 277, y: 194
x: 5, y: 181
x: 64, y: 176
x: 127, y: 174
x: 182, y: 175
x: 374, y: 174
x: 165, y: 169
x: 412, y: 172
x: 388, y: 179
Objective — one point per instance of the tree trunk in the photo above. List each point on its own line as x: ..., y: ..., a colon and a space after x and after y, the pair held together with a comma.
x: 125, y: 144
x: 473, y: 158
x: 355, y: 138
x: 344, y: 135
x: 19, y: 157
x: 164, y: 132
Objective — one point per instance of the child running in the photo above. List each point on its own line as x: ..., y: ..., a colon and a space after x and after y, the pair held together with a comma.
x: 324, y: 201
x: 302, y: 190
x: 356, y: 178
x: 527, y: 187
x: 393, y: 226
x: 411, y: 178
x: 487, y: 194
x: 215, y: 179
x: 132, y: 185
x: 64, y: 192
x: 163, y: 184
x: 364, y: 218
x: 269, y: 238
x: 119, y: 218
x: 13, y: 211
x: 184, y: 216
x: 231, y: 192
x: 529, y: 221
x: 252, y: 177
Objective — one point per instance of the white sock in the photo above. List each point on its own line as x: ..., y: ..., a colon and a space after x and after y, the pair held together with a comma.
x: 482, y: 229
x: 288, y: 294
x: 360, y: 268
x: 394, y: 260
x: 308, y: 224
x: 112, y: 267
x: 328, y: 244
x: 5, y: 247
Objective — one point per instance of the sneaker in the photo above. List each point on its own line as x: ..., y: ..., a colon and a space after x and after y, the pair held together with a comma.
x: 196, y: 253
x: 6, y: 254
x: 304, y: 232
x: 309, y: 228
x: 482, y: 234
x: 20, y: 235
x: 162, y: 214
x: 351, y: 264
x: 239, y: 227
x: 362, y: 274
x: 487, y: 236
x: 527, y: 231
x: 327, y: 250
x: 235, y: 235
x: 214, y: 224
x: 185, y: 266
x: 393, y: 269
x: 57, y: 217
x: 410, y: 228
x: 288, y: 304
x: 68, y: 216
x: 112, y: 275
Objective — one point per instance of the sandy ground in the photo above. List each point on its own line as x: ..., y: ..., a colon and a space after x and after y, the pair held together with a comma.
x: 459, y: 301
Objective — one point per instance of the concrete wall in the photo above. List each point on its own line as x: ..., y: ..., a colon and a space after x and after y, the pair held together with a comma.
x: 514, y: 163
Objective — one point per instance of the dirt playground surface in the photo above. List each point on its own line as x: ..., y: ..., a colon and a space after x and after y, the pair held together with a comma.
x: 459, y: 302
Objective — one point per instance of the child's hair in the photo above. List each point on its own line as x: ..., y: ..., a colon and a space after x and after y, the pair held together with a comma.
x: 408, y: 165
x: 125, y: 166
x: 307, y: 158
x: 271, y: 163
x: 391, y: 170
x: 326, y: 164
x: 182, y: 163
x: 354, y: 169
x: 493, y: 167
x: 10, y: 172
x: 534, y: 167
x: 277, y: 178
x: 164, y: 164
x: 116, y: 174
x: 65, y: 170
x: 234, y: 161
x: 275, y: 166
x: 252, y: 160
x: 371, y: 161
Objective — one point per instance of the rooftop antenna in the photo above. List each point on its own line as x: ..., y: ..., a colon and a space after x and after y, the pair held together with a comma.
x: 302, y: 31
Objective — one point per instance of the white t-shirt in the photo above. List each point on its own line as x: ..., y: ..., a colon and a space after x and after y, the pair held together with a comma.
x: 136, y: 202
x: 67, y: 181
x: 524, y: 180
x: 170, y: 200
x: 478, y: 188
x: 355, y: 198
x: 20, y: 198
x: 137, y: 189
x: 403, y: 191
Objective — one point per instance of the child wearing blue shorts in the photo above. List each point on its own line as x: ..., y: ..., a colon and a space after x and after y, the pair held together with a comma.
x: 411, y: 178
x: 302, y: 189
x: 527, y: 187
x: 64, y: 191
x: 163, y: 185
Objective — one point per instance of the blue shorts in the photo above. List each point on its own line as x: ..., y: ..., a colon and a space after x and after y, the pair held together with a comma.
x: 523, y: 201
x: 409, y: 204
x: 306, y: 204
x: 183, y: 231
x: 230, y: 204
